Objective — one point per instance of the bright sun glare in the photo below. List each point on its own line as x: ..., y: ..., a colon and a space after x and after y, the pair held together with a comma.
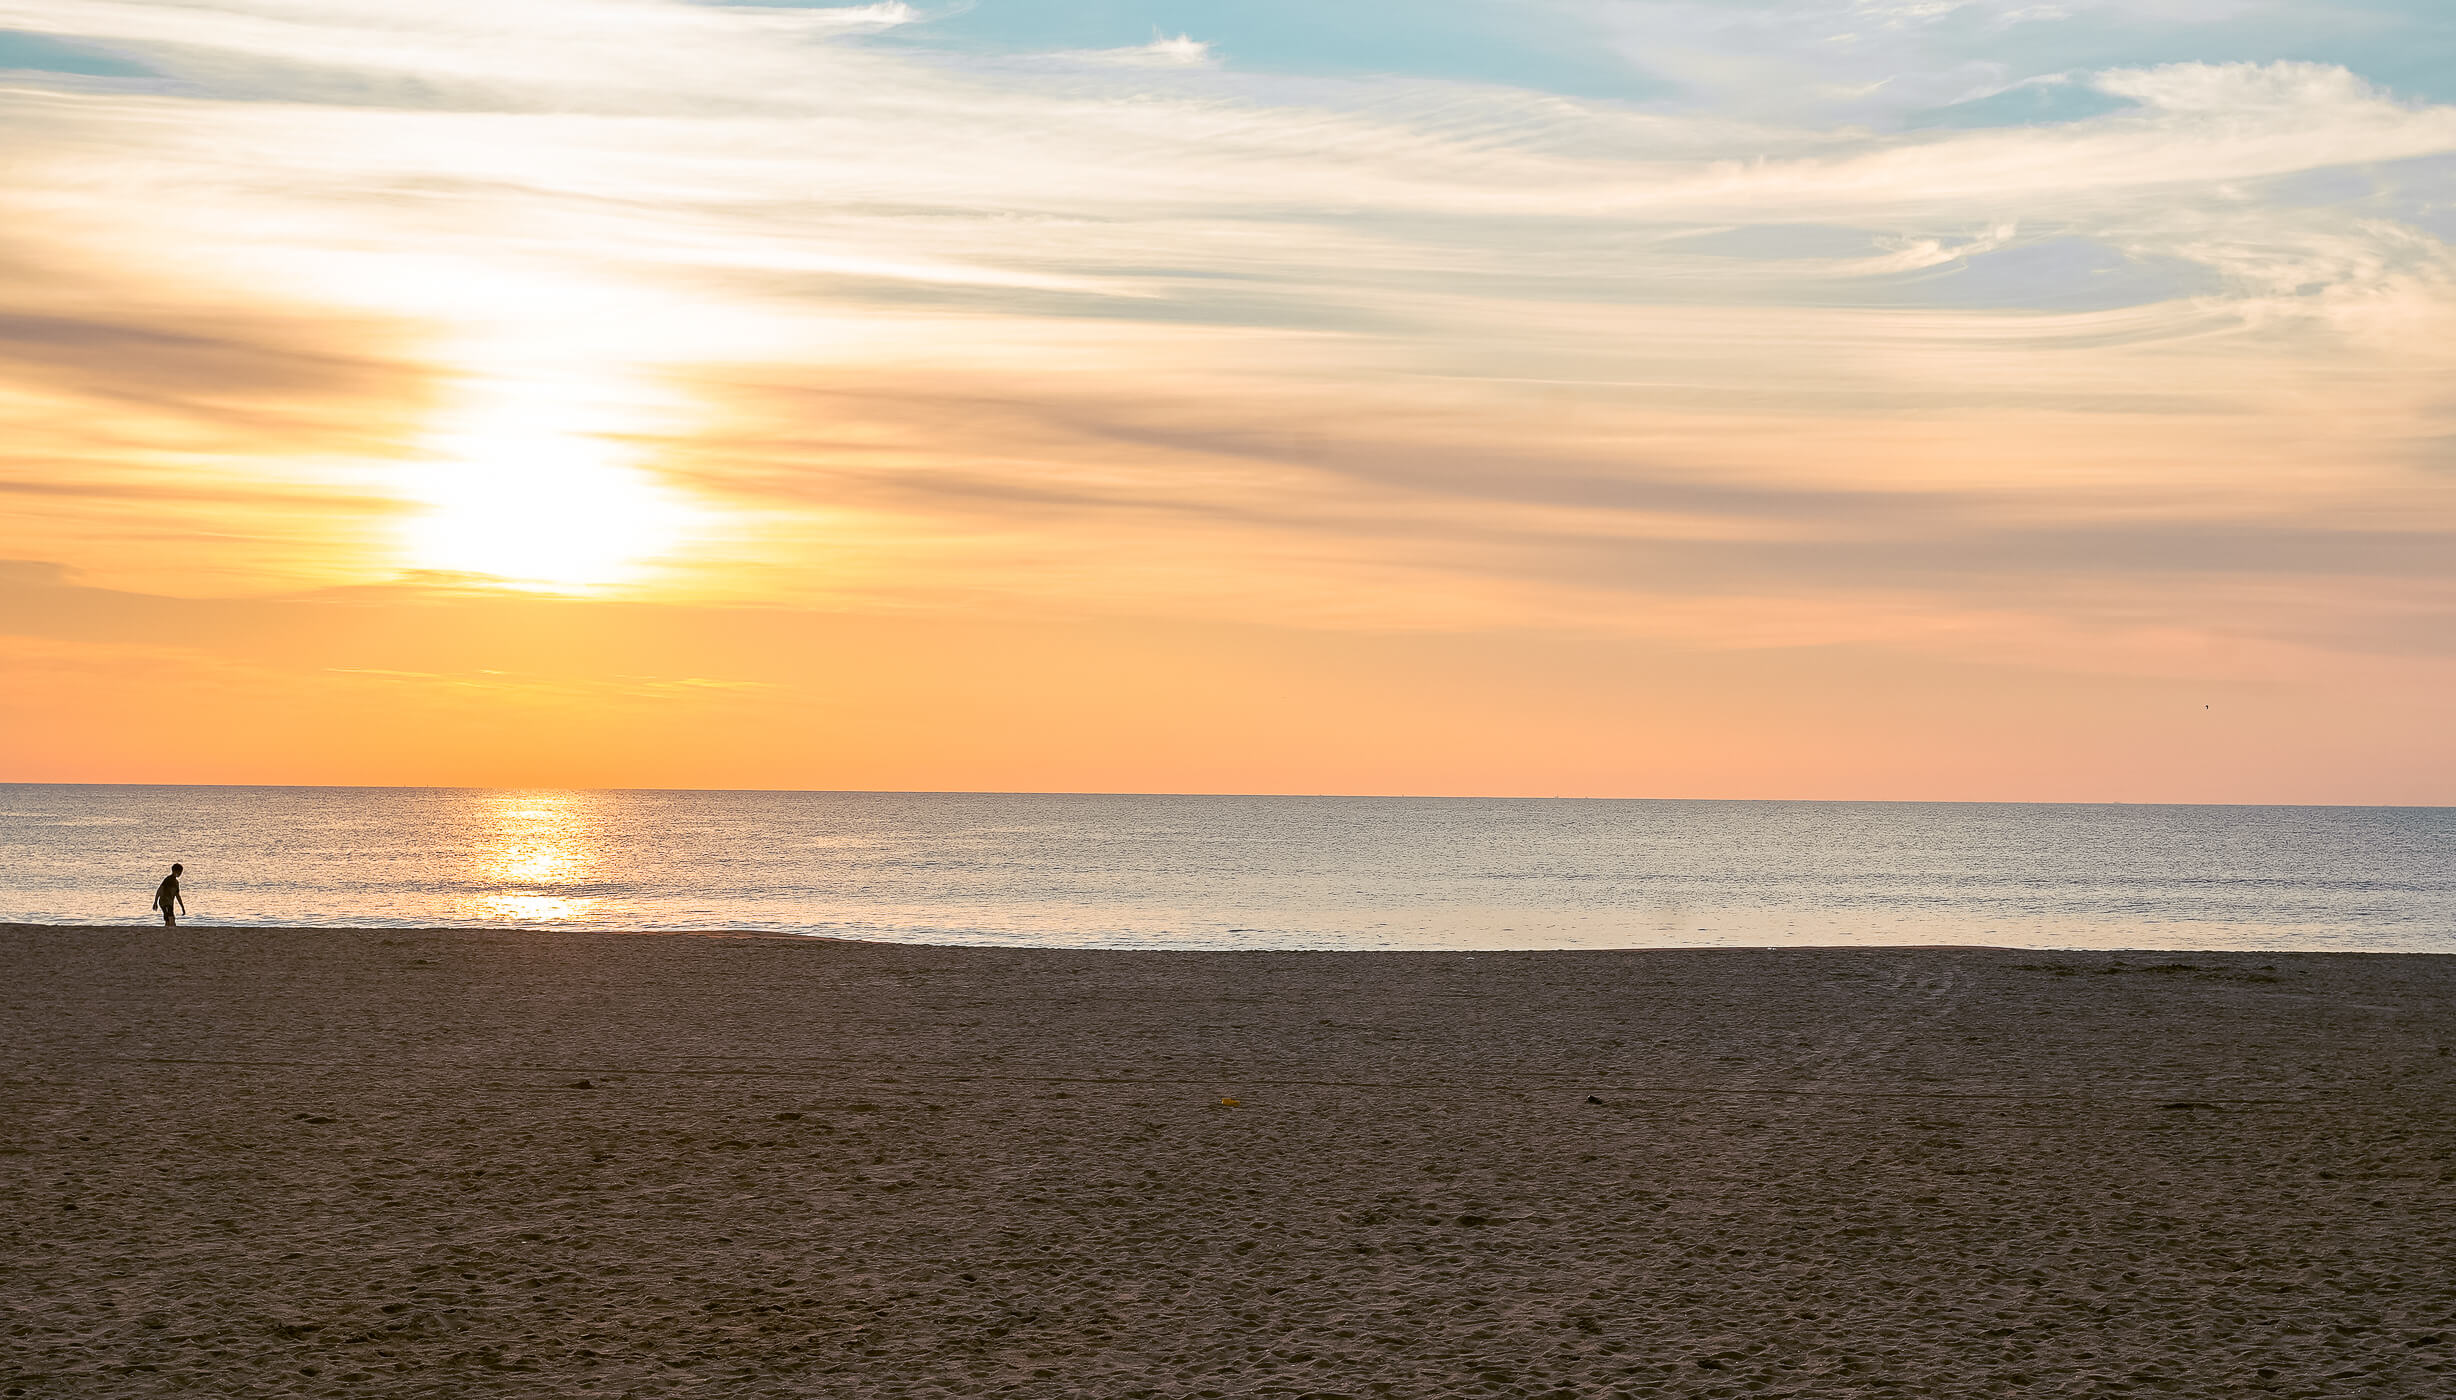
x: 540, y: 506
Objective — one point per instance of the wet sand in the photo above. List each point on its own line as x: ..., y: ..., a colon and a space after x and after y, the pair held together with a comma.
x: 277, y: 1163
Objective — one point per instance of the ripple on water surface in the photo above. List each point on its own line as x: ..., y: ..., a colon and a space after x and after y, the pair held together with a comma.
x: 1229, y: 872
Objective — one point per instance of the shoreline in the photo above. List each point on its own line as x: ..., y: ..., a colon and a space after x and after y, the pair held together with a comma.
x: 494, y: 1163
x: 772, y: 935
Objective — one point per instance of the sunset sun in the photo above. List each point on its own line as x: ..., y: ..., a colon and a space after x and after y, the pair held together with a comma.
x: 540, y: 507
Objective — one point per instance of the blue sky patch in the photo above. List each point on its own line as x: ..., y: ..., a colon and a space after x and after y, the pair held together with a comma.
x: 43, y: 54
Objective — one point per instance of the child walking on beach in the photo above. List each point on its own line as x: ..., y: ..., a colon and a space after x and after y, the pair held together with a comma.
x: 167, y: 894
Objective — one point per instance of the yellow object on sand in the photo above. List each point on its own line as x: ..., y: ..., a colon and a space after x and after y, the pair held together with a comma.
x: 1228, y: 1103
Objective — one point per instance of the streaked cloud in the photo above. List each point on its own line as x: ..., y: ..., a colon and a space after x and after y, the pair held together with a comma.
x: 2001, y: 334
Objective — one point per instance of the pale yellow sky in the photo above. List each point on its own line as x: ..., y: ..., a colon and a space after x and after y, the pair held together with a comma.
x: 633, y: 392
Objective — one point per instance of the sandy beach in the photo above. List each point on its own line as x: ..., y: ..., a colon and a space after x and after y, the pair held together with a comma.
x: 277, y: 1163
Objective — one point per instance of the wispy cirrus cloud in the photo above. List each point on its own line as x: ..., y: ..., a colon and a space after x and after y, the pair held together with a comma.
x: 1765, y: 352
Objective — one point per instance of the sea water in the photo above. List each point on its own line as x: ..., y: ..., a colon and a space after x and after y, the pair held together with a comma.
x: 1243, y: 872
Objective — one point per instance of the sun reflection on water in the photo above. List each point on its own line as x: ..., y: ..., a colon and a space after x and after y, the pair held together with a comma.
x: 529, y: 908
x: 534, y: 843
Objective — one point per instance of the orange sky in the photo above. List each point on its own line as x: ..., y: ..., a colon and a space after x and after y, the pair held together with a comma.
x: 639, y: 393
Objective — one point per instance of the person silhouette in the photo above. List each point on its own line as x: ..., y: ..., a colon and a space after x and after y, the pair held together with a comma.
x: 167, y: 894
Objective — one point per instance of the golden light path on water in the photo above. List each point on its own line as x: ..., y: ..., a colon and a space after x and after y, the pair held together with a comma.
x: 538, y: 846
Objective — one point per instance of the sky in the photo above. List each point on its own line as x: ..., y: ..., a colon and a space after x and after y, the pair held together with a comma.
x: 1869, y: 399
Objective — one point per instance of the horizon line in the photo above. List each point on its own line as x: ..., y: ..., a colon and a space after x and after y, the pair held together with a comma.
x: 1283, y: 796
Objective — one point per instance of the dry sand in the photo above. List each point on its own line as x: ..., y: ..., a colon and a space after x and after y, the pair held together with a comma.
x: 273, y: 1163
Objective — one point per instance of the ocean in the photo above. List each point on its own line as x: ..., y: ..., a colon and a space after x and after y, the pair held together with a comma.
x: 1243, y: 872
